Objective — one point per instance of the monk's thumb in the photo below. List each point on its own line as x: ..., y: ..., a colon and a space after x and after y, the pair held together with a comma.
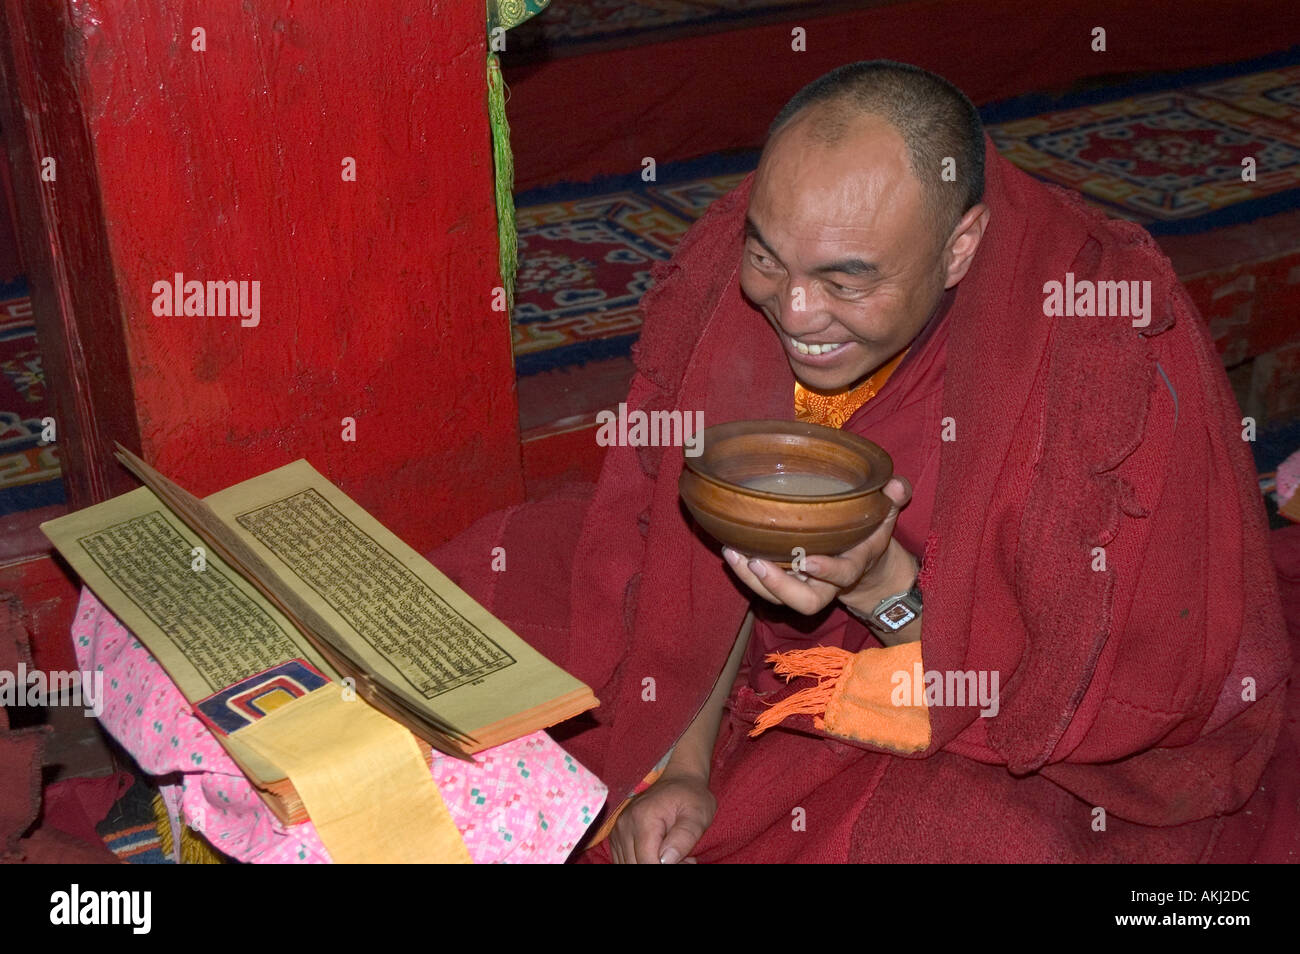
x: 899, y: 492
x: 680, y: 839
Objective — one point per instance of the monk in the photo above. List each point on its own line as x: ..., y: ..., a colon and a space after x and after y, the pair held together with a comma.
x: 1064, y: 643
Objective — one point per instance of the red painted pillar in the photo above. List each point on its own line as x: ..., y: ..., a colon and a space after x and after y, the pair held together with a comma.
x: 220, y: 139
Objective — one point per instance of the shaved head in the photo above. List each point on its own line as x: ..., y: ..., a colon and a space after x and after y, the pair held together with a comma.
x: 935, y: 120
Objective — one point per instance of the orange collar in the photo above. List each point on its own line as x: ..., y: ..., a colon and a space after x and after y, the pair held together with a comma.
x: 834, y: 408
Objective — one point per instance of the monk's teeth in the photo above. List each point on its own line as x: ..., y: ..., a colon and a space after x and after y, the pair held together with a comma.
x: 814, y: 349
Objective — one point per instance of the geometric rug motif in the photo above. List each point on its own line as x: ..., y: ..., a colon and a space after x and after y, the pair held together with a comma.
x: 585, y: 263
x: 1272, y: 93
x: 1170, y: 157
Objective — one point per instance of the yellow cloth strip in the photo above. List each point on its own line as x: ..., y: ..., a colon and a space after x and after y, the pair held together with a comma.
x: 195, y: 849
x: 362, y: 780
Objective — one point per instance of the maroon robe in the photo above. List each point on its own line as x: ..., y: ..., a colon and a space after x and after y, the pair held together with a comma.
x: 1152, y: 689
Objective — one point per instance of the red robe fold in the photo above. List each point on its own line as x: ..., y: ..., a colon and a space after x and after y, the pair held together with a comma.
x: 1126, y: 689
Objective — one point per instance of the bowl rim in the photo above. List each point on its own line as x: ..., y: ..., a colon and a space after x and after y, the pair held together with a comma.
x: 803, y: 429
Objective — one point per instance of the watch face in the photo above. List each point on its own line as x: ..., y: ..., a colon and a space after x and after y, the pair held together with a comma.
x: 896, y: 616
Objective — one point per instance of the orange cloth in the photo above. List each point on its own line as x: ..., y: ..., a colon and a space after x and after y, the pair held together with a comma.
x: 865, y: 696
x: 833, y: 409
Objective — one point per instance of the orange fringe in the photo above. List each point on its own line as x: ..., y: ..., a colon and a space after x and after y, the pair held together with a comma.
x: 827, y: 663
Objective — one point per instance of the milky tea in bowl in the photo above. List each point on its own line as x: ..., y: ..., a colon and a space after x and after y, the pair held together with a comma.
x: 765, y: 488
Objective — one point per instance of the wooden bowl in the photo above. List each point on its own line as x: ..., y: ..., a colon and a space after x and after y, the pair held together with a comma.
x: 739, y: 489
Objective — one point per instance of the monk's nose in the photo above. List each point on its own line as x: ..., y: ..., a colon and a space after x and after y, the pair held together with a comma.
x: 801, y: 309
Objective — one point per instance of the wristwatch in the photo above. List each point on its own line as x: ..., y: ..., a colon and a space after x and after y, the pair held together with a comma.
x: 894, y: 612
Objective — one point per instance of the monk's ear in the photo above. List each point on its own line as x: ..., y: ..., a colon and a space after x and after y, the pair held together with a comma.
x: 962, y: 244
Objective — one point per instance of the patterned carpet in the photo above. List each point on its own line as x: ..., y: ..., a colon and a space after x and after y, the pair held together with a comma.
x: 585, y: 262
x: 29, y: 472
x: 1170, y: 159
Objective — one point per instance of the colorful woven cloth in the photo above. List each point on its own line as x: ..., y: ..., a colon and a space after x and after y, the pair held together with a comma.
x: 29, y: 468
x: 523, y: 802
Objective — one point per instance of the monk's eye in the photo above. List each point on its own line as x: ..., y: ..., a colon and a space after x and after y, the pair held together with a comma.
x: 846, y: 291
x: 762, y: 261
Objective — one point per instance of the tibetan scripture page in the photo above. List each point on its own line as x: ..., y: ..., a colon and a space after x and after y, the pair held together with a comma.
x: 402, y: 619
x: 206, y: 624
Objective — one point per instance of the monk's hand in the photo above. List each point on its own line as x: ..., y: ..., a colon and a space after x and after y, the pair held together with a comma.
x: 663, y: 823
x: 854, y: 577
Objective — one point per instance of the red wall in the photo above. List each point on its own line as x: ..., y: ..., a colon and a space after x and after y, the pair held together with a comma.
x: 375, y: 294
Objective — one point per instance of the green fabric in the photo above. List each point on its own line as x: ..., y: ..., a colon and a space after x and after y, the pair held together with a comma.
x: 511, y: 13
x: 504, y: 163
x: 505, y: 14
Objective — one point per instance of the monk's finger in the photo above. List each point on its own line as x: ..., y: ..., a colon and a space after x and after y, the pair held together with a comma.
x: 841, y: 571
x: 647, y: 839
x: 899, y: 493
x: 681, y: 838
x: 740, y: 566
x: 852, y: 565
x: 803, y: 596
x: 849, y: 567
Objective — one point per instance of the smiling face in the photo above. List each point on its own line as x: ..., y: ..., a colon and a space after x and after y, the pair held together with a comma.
x: 841, y: 254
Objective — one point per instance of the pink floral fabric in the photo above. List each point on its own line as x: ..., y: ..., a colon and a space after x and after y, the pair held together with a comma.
x: 1288, y: 478
x: 525, y: 801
